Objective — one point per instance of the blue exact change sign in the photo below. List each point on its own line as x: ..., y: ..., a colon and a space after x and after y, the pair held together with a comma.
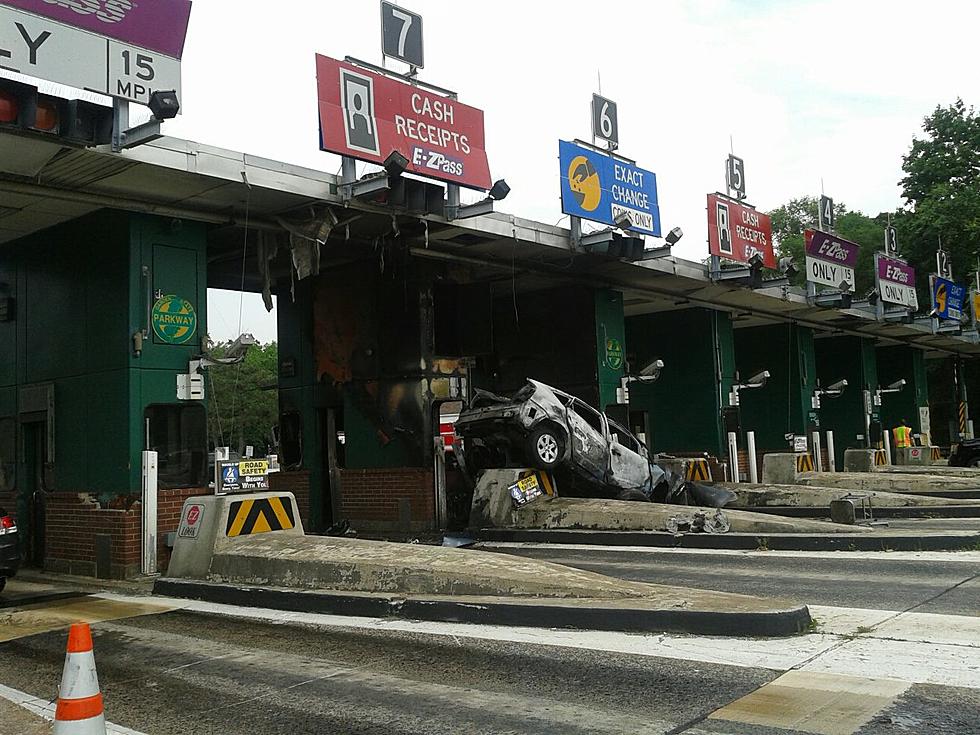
x: 599, y: 187
x: 947, y: 298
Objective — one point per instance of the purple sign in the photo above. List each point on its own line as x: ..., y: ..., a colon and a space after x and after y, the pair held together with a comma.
x: 831, y: 248
x: 895, y: 271
x: 157, y: 25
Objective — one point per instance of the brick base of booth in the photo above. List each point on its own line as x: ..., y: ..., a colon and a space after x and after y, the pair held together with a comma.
x: 399, y: 499
x: 297, y: 483
x: 104, y: 539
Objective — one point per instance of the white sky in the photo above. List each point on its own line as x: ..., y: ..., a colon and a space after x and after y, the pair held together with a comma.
x: 829, y: 90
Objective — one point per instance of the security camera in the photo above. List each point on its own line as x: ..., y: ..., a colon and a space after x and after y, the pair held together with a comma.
x: 787, y: 266
x: 897, y: 385
x: 674, y: 235
x: 650, y: 371
x: 756, y: 260
x: 623, y: 221
x: 845, y: 286
x: 758, y: 380
x: 837, y: 387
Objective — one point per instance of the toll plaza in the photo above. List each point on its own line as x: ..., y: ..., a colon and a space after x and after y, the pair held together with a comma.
x: 396, y: 301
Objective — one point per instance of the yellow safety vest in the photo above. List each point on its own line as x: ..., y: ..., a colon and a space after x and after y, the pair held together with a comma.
x: 903, y: 436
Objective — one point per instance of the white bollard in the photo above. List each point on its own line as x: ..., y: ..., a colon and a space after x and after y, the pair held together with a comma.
x: 888, y: 445
x: 149, y: 512
x: 733, y: 455
x: 817, y: 459
x: 831, y: 459
x: 753, y: 467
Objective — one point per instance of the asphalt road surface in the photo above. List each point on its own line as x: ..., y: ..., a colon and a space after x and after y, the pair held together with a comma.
x: 934, y: 582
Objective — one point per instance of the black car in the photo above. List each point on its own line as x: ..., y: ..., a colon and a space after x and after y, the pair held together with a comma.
x: 965, y: 454
x: 543, y: 427
x: 9, y: 548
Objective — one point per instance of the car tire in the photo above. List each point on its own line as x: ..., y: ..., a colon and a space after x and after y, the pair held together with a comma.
x: 636, y: 495
x: 545, y: 447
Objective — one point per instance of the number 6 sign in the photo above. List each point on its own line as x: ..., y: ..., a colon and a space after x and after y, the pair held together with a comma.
x: 605, y: 119
x: 401, y: 34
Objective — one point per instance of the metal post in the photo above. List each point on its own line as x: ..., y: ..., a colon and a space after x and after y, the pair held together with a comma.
x: 817, y: 457
x: 439, y: 469
x: 733, y: 455
x: 750, y: 446
x: 120, y: 122
x: 149, y: 475
x: 969, y: 429
x: 886, y: 435
x: 831, y: 454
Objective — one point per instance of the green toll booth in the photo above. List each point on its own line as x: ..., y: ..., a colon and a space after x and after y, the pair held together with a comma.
x: 785, y: 404
x: 852, y: 415
x: 911, y: 402
x: 99, y: 316
x: 688, y: 409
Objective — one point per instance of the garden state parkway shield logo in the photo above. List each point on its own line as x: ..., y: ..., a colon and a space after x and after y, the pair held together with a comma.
x: 174, y: 320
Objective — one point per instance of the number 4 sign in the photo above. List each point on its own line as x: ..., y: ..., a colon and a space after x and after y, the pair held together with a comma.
x: 401, y: 34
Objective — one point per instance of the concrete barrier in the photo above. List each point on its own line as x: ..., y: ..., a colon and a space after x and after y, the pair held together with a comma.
x: 896, y: 482
x: 782, y: 468
x: 806, y: 496
x: 914, y: 456
x: 208, y: 520
x: 860, y: 460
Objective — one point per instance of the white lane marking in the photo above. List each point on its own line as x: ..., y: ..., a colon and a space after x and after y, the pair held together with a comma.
x: 850, y: 645
x: 953, y: 630
x: 966, y: 557
x: 45, y: 709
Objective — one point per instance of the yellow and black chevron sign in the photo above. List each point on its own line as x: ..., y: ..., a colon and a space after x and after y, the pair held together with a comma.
x: 880, y: 459
x: 260, y: 515
x: 698, y: 470
x: 936, y: 454
x: 545, y: 480
x: 804, y: 463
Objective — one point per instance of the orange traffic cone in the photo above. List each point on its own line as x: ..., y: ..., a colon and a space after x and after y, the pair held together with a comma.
x: 79, y: 710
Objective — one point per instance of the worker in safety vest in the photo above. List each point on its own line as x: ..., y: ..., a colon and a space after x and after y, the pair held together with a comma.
x: 902, y: 435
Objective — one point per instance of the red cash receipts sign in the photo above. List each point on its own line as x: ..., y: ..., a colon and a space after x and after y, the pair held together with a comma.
x: 737, y: 232
x: 367, y: 115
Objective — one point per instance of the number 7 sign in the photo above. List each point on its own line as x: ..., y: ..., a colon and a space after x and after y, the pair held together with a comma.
x: 401, y: 34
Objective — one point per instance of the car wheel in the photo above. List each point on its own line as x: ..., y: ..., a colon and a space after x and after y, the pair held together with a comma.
x: 544, y: 447
x: 636, y: 495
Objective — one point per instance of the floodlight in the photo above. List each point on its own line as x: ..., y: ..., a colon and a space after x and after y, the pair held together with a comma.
x: 787, y: 266
x: 164, y: 104
x: 499, y: 190
x: 623, y: 221
x: 674, y: 235
x: 395, y: 164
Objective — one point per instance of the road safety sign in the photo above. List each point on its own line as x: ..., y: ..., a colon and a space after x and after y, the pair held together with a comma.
x: 600, y: 187
x: 190, y: 524
x: 244, y: 476
x: 260, y: 515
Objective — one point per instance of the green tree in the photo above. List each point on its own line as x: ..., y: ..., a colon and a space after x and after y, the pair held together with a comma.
x: 790, y: 220
x: 941, y: 188
x: 243, y: 403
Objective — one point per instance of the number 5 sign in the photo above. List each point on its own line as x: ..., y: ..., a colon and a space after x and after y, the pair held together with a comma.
x: 401, y: 34
x: 605, y: 119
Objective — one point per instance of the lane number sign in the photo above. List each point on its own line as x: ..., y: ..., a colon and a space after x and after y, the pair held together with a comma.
x: 401, y: 34
x: 605, y: 119
x: 943, y: 267
x: 827, y: 216
x: 891, y: 242
x: 736, y: 176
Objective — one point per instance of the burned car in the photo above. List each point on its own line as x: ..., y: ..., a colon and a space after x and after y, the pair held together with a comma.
x: 543, y: 427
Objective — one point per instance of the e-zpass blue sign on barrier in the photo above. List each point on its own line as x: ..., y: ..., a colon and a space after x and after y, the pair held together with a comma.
x: 601, y: 187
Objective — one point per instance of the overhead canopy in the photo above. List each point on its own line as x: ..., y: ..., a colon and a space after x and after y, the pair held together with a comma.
x: 43, y: 184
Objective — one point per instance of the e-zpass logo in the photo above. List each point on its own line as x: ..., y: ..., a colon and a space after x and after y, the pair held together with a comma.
x: 108, y: 11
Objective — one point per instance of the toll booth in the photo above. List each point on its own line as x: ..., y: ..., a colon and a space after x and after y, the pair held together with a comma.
x: 785, y: 404
x: 101, y: 313
x: 688, y: 409
x: 911, y: 402
x: 853, y: 416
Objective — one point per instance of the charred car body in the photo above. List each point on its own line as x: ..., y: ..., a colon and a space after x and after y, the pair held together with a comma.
x: 546, y: 428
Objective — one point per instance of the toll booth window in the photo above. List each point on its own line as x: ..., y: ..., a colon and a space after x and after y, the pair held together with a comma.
x: 178, y: 434
x: 291, y: 440
x: 8, y: 451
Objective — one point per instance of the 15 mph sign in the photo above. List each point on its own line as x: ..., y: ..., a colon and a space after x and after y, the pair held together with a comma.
x: 738, y: 232
x: 367, y: 115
